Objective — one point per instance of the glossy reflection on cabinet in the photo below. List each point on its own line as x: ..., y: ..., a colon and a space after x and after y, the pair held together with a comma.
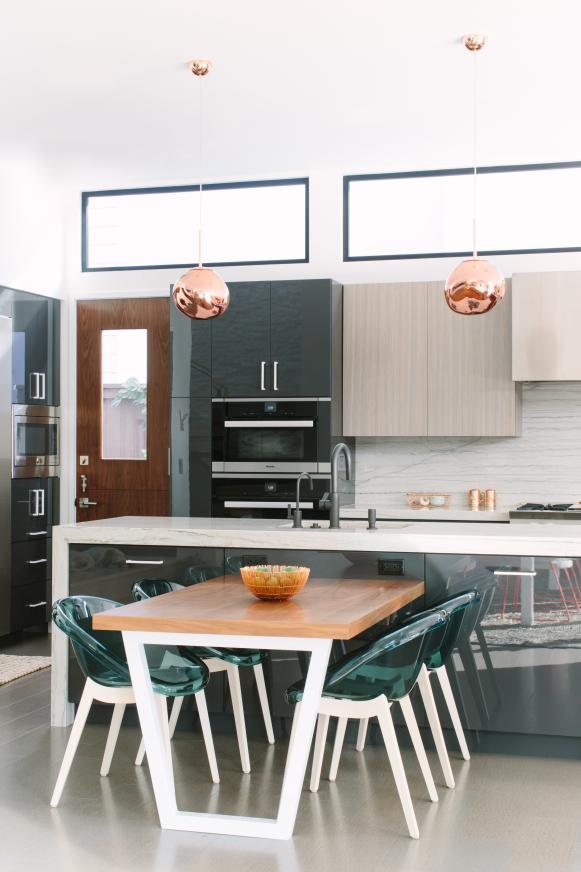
x: 520, y: 670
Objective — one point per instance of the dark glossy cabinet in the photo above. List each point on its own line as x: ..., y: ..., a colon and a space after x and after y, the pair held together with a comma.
x: 191, y: 356
x: 191, y: 436
x: 34, y: 508
x: 301, y: 327
x: 35, y: 350
x: 277, y: 340
x: 241, y: 343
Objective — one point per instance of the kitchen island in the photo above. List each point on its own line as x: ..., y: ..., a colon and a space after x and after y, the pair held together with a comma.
x: 518, y: 681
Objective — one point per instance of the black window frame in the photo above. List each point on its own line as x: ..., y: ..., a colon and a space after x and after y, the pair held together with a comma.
x: 458, y: 171
x: 86, y: 196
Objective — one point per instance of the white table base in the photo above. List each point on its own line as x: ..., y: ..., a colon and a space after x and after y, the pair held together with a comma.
x: 156, y: 735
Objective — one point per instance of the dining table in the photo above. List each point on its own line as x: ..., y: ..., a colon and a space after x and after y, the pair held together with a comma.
x: 223, y: 613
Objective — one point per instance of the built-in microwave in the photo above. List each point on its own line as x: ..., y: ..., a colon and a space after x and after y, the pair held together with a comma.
x: 271, y: 436
x: 35, y: 441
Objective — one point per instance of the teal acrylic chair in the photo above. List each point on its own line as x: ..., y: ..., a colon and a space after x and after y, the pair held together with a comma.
x: 226, y: 660
x: 461, y: 612
x: 365, y: 684
x: 174, y: 671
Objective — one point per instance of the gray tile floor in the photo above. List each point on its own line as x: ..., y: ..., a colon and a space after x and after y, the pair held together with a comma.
x: 507, y: 814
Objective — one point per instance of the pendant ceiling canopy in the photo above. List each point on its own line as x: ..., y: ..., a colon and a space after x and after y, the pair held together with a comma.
x: 475, y: 286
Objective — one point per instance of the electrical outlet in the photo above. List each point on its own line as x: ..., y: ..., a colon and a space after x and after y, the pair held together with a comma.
x: 390, y: 566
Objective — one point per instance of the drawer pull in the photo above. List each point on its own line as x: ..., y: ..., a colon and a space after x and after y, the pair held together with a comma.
x: 36, y: 605
x: 145, y: 562
x: 39, y: 533
x: 516, y: 572
x: 34, y: 562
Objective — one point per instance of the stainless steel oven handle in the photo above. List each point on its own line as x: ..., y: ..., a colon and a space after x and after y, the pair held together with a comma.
x: 262, y: 504
x: 262, y: 374
x: 242, y: 425
x: 144, y: 562
x: 275, y: 375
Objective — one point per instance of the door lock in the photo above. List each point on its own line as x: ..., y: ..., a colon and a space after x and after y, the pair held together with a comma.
x: 83, y: 484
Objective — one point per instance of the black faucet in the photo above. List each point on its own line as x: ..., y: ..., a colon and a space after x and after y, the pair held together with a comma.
x: 340, y: 448
x: 298, y: 515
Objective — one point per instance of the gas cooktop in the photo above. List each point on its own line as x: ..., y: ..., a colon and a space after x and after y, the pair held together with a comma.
x: 547, y: 511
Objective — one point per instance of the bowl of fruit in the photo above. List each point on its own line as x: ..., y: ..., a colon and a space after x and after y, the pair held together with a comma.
x: 274, y: 582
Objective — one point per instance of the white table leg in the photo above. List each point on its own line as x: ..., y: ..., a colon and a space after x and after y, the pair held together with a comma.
x: 155, y: 732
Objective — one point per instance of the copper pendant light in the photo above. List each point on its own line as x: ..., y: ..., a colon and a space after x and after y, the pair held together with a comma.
x: 201, y: 293
x: 475, y: 286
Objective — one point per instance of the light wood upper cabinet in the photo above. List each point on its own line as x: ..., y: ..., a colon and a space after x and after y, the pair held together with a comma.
x: 470, y: 387
x: 546, y: 326
x: 412, y: 367
x: 385, y: 360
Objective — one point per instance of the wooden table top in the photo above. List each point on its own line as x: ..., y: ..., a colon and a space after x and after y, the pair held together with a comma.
x: 324, y: 609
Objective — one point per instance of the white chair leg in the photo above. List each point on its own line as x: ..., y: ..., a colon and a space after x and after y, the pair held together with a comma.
x: 337, y: 748
x: 238, y: 709
x: 362, y: 734
x: 453, y: 709
x: 319, y: 752
x: 175, y: 713
x: 207, y: 734
x: 72, y: 744
x: 412, y: 725
x: 294, y: 727
x: 140, y: 753
x: 112, y: 736
x: 263, y: 697
x: 434, y: 721
x: 393, y: 752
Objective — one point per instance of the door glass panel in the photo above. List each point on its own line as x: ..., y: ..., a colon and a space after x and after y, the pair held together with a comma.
x: 124, y: 394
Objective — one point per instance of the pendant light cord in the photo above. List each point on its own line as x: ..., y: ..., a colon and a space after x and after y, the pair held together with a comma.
x: 474, y: 145
x: 200, y: 165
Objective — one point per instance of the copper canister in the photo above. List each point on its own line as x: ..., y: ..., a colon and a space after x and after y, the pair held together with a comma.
x: 490, y: 500
x: 474, y: 499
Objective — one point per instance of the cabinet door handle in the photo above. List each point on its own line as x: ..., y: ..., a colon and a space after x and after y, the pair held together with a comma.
x: 42, y: 386
x: 145, y: 562
x: 34, y: 386
x: 275, y: 375
x: 37, y: 508
x: 37, y: 533
x: 34, y: 562
x: 36, y: 605
x: 41, y: 502
x: 262, y: 374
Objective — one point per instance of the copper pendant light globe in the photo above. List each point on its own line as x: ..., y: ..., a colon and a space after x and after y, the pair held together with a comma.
x: 474, y: 287
x: 201, y: 294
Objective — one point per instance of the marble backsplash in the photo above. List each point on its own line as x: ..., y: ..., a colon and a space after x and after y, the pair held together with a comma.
x: 543, y: 464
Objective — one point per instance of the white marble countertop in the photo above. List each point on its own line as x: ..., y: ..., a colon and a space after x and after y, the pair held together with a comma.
x: 559, y: 539
x: 398, y: 513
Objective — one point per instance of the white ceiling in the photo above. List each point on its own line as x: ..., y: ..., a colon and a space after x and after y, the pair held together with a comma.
x: 296, y: 87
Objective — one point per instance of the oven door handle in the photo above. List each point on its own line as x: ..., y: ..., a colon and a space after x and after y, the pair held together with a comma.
x: 274, y: 424
x: 263, y: 504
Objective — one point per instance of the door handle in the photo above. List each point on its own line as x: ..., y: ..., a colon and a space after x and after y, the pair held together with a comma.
x: 144, y: 562
x: 85, y: 502
x: 41, y: 386
x: 37, y: 508
x: 34, y: 386
x: 37, y: 533
x: 275, y: 375
x: 36, y: 605
x: 262, y: 374
x: 34, y: 562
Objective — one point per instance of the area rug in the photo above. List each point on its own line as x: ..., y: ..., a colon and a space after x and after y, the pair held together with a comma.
x: 13, y: 666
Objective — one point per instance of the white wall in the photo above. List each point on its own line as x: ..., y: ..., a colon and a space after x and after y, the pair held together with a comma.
x: 31, y: 225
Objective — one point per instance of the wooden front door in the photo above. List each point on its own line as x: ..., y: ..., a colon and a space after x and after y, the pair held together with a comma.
x: 122, y: 408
